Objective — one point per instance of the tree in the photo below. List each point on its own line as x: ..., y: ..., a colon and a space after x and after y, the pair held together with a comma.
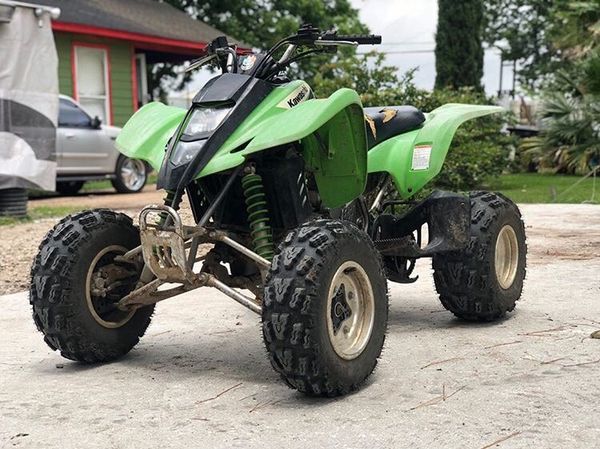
x: 260, y: 24
x: 376, y: 83
x: 570, y: 138
x: 458, y: 50
x: 520, y: 29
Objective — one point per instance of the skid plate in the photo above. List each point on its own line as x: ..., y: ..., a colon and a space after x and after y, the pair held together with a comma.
x: 164, y: 246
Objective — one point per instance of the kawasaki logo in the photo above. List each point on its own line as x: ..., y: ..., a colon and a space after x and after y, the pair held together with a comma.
x: 298, y: 98
x: 295, y: 98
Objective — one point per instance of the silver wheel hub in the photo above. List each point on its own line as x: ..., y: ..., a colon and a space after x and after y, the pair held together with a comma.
x: 105, y: 284
x: 506, y: 258
x: 350, y: 310
x: 133, y: 173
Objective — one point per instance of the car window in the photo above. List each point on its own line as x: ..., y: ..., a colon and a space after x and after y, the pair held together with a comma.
x: 72, y: 116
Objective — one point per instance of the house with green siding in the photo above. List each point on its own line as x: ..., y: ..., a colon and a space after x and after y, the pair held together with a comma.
x: 105, y: 47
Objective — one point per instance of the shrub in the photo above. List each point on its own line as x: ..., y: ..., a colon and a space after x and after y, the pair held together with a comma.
x: 570, y: 137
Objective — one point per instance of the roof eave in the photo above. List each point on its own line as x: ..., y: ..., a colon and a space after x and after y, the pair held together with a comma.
x: 142, y: 40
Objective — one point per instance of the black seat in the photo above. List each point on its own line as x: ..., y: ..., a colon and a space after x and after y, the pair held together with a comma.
x: 389, y: 121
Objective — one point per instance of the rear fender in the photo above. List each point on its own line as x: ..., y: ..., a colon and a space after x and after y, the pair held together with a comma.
x: 147, y: 132
x: 415, y: 158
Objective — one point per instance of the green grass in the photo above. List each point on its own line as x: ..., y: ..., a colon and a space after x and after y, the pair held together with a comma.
x: 40, y: 212
x: 539, y: 188
x: 92, y: 186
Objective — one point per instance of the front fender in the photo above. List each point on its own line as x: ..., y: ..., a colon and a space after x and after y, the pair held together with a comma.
x: 331, y: 132
x: 146, y: 133
x: 415, y: 158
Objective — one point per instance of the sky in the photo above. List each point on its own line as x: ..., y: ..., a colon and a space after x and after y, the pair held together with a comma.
x: 409, y: 26
x: 408, y: 29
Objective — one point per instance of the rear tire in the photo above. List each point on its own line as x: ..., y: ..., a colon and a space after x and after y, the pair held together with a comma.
x: 485, y: 280
x: 80, y: 324
x: 69, y: 187
x: 325, y: 308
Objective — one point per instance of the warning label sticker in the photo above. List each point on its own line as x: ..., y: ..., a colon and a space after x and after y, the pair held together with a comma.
x: 421, y: 157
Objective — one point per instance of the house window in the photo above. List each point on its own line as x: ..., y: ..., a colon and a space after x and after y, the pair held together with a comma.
x: 91, y: 80
x: 141, y: 80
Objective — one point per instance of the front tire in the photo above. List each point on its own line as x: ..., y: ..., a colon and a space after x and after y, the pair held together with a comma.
x: 75, y: 283
x: 484, y: 281
x: 130, y: 176
x: 325, y: 308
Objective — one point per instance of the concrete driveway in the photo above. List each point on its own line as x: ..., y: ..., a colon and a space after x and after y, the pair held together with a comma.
x: 200, y: 377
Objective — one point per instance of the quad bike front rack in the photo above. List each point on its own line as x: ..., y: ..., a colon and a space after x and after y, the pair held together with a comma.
x: 169, y: 250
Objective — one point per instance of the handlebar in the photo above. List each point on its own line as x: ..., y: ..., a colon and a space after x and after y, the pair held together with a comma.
x: 307, y: 36
x: 371, y: 39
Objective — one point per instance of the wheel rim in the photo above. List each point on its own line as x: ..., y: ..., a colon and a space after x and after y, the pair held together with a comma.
x: 104, y: 287
x: 133, y: 173
x: 507, y: 256
x: 350, y: 310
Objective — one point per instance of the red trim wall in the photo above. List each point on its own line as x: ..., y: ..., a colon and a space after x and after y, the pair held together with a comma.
x: 142, y: 40
x: 106, y: 48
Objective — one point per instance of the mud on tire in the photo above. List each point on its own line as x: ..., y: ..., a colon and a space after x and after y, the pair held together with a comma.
x: 466, y: 280
x: 295, y: 308
x: 58, y: 287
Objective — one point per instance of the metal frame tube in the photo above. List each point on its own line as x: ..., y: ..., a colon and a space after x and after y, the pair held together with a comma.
x: 233, y: 294
x: 241, y: 248
x: 219, y: 198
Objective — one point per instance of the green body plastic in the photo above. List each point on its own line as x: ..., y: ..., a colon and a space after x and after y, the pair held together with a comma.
x: 331, y: 133
x: 396, y: 156
x: 146, y: 133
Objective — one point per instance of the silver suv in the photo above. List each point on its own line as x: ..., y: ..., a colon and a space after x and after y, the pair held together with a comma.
x: 85, y: 151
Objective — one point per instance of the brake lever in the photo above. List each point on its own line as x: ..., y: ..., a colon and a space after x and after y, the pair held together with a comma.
x: 198, y: 62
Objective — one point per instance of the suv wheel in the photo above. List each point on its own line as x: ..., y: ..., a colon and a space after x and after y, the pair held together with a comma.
x: 131, y: 175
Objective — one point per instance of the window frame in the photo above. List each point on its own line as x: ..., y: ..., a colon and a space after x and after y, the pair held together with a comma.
x: 107, y: 77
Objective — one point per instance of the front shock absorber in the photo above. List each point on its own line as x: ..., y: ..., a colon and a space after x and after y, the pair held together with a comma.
x: 258, y: 215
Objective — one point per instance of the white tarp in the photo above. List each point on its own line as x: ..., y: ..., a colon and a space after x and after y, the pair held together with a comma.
x: 28, y: 101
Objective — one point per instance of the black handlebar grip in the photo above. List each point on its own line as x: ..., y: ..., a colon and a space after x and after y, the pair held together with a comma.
x: 372, y: 39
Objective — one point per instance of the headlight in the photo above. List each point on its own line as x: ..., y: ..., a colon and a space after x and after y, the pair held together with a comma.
x: 203, y: 120
x: 184, y: 152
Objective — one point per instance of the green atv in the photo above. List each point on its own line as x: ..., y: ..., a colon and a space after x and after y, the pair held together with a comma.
x: 307, y: 205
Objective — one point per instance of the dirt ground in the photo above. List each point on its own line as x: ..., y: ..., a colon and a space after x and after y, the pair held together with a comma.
x: 19, y: 243
x: 200, y: 377
x: 564, y: 232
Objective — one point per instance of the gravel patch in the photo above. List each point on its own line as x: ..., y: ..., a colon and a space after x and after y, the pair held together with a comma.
x: 554, y: 232
x: 19, y: 243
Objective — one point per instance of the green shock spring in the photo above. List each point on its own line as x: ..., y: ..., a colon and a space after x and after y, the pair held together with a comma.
x: 258, y: 215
